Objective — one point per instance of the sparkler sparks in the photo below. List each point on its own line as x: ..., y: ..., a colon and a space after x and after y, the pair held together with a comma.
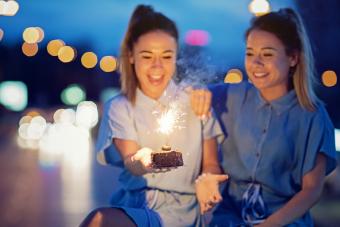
x: 170, y: 119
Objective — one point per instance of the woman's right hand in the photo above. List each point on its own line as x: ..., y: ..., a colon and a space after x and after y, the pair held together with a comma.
x: 207, y: 190
x: 143, y: 156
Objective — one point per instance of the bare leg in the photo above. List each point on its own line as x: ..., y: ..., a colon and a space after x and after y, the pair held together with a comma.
x: 107, y: 217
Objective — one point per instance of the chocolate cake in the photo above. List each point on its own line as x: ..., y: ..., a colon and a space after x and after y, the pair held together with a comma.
x: 166, y: 158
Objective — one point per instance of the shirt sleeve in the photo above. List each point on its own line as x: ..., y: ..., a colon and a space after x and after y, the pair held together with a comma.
x: 321, y: 140
x: 116, y: 122
x: 212, y: 128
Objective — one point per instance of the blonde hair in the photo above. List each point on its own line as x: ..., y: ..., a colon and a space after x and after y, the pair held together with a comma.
x: 287, y: 26
x: 143, y: 20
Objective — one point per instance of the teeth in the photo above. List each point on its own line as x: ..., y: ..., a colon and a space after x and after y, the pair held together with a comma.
x: 260, y: 74
x: 155, y: 77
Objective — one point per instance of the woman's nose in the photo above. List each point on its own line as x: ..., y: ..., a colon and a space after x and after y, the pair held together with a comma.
x: 258, y: 60
x: 157, y: 62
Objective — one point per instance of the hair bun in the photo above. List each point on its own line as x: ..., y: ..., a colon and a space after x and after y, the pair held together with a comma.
x: 142, y: 10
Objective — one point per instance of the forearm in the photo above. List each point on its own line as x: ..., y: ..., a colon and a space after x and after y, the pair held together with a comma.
x: 210, y: 162
x: 212, y: 168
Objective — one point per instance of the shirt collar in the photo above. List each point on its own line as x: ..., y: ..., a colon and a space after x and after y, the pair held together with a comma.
x: 167, y: 95
x: 279, y: 105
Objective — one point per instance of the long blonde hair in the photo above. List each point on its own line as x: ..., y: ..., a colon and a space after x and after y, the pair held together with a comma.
x: 143, y: 20
x: 287, y: 26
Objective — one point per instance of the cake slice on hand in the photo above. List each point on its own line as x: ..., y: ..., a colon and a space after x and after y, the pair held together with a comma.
x: 166, y: 158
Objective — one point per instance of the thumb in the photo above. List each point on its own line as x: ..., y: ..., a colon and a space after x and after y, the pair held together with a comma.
x: 222, y: 177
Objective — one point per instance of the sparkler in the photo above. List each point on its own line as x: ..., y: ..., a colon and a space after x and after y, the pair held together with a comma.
x: 170, y: 119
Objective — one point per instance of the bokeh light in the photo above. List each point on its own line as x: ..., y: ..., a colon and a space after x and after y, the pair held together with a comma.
x: 108, y: 64
x: 337, y: 139
x: 108, y: 93
x: 259, y: 7
x: 329, y: 78
x: 233, y: 76
x: 66, y: 54
x: 30, y: 49
x: 1, y: 34
x: 54, y: 45
x: 8, y: 8
x: 86, y: 114
x: 197, y: 38
x: 31, y: 35
x: 72, y: 95
x: 13, y: 95
x: 89, y: 60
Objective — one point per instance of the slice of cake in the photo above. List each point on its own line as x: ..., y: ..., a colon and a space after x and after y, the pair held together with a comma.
x: 166, y: 158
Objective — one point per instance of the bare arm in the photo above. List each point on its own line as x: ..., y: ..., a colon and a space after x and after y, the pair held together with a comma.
x: 312, y: 185
x: 207, y: 185
x: 136, y: 160
x: 210, y: 162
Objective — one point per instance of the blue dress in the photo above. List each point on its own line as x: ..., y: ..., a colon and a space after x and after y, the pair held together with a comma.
x: 267, y: 150
x: 169, y: 198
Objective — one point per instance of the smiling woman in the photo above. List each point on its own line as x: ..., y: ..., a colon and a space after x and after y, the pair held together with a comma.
x: 129, y: 135
x: 276, y: 163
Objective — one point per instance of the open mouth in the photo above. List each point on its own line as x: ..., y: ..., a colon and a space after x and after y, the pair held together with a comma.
x: 155, y: 79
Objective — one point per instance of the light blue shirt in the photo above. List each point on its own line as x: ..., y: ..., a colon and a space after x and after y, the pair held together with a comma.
x: 267, y: 150
x: 171, y: 194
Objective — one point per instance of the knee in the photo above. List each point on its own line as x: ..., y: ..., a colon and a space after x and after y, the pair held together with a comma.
x: 107, y: 217
x: 94, y: 219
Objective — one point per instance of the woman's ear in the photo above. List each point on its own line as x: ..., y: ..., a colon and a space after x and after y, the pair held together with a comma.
x: 131, y: 58
x: 294, y: 59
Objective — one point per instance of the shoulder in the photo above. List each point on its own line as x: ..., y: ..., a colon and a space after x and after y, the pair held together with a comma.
x: 231, y: 94
x: 117, y: 103
x: 231, y: 89
x: 316, y: 122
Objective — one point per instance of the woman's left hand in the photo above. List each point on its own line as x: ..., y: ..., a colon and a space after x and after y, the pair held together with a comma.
x: 207, y: 190
x: 200, y: 100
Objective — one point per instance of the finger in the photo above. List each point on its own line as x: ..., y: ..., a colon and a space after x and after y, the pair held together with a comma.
x: 201, y: 103
x: 193, y: 101
x: 207, y: 104
x: 222, y: 177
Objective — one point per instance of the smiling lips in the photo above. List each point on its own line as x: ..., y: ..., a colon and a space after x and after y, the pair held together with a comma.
x: 260, y: 75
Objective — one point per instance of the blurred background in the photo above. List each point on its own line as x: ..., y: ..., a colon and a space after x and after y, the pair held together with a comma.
x: 58, y: 62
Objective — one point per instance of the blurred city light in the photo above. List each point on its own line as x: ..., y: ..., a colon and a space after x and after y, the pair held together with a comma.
x: 1, y: 34
x: 30, y: 49
x: 259, y: 7
x: 86, y: 114
x: 233, y: 76
x: 337, y: 139
x: 13, y: 95
x: 329, y: 78
x: 31, y: 35
x: 72, y: 95
x: 66, y: 54
x: 89, y: 60
x: 53, y: 47
x: 41, y: 34
x: 108, y: 93
x: 108, y: 64
x: 197, y: 38
x: 8, y: 8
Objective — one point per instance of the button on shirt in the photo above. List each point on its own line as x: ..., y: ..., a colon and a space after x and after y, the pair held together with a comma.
x: 268, y: 144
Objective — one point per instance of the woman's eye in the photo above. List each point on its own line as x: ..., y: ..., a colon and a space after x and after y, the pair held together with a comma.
x: 267, y: 55
x: 249, y: 54
x: 146, y: 57
x: 167, y: 57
